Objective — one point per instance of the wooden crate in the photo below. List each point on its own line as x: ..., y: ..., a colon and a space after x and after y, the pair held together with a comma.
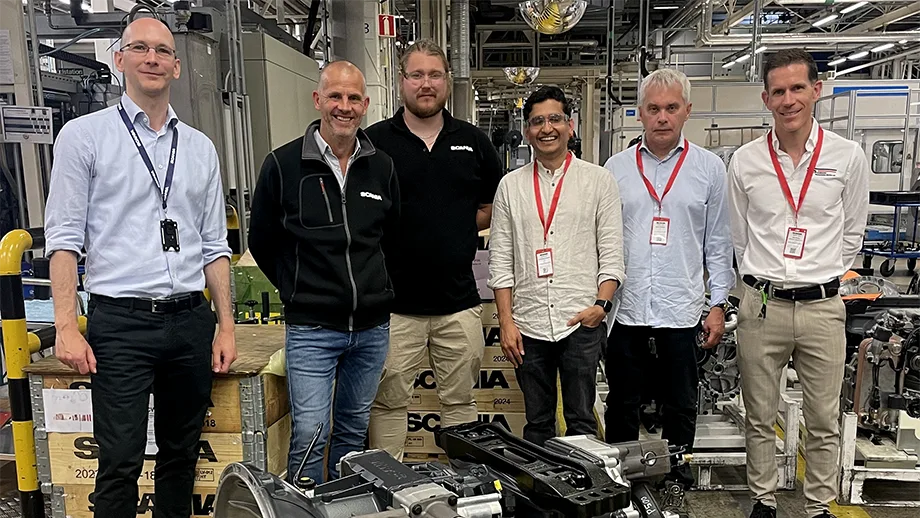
x: 77, y: 500
x: 487, y: 400
x: 420, y: 437
x: 248, y: 421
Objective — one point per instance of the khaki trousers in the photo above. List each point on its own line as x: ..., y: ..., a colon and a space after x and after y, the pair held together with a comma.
x: 812, y: 332
x: 455, y: 346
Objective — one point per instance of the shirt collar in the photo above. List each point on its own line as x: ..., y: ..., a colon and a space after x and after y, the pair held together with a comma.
x: 544, y: 171
x: 809, y: 144
x: 134, y: 112
x: 325, y: 148
x: 678, y: 148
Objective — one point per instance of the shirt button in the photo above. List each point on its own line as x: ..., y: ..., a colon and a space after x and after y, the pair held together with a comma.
x: 550, y: 281
x: 552, y: 306
x: 550, y: 232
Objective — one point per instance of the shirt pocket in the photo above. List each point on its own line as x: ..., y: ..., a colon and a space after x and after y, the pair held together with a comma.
x: 317, y: 202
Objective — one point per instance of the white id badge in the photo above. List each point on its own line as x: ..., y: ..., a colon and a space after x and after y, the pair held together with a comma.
x: 545, y: 262
x: 795, y: 243
x: 660, y: 228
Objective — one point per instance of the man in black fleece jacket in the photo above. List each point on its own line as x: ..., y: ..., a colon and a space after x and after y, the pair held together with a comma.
x: 322, y: 207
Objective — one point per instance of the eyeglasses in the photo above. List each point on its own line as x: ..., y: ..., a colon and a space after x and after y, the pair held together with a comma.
x: 419, y: 77
x: 555, y: 119
x: 139, y: 48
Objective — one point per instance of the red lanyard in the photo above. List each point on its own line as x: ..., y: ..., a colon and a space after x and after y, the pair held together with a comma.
x: 548, y: 220
x: 648, y: 184
x: 782, y: 177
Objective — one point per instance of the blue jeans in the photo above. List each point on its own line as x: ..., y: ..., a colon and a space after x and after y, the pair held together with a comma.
x: 316, y: 358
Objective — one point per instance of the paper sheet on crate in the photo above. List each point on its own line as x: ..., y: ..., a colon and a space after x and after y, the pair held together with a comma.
x: 71, y: 411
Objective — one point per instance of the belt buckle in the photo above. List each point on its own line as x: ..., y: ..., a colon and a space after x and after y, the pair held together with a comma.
x: 159, y: 306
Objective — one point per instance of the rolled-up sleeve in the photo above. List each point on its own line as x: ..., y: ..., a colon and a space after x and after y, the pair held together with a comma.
x: 609, y: 221
x: 68, y: 193
x: 501, y: 241
x: 214, y: 224
x: 718, y: 239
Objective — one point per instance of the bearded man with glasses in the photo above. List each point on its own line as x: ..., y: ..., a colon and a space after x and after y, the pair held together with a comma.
x: 448, y: 171
x: 556, y: 261
x: 151, y: 247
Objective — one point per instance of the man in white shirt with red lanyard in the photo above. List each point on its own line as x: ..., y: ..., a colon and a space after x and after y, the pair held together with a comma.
x: 799, y: 198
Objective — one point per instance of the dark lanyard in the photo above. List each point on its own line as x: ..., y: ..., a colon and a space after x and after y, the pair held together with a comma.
x: 164, y: 191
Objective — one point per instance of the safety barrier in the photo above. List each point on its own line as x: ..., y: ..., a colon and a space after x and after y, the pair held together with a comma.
x: 18, y: 346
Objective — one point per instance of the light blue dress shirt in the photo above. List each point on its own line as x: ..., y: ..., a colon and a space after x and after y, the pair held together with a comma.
x: 103, y: 198
x: 664, y: 286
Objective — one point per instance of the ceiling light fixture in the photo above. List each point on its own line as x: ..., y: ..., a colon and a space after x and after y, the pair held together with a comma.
x: 836, y: 61
x: 825, y: 20
x: 552, y: 16
x: 743, y: 58
x: 882, y: 48
x: 729, y: 64
x: 858, y: 55
x: 761, y: 49
x: 666, y: 7
x: 853, y: 7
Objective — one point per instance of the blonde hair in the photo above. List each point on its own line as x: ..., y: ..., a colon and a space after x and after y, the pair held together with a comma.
x: 425, y: 46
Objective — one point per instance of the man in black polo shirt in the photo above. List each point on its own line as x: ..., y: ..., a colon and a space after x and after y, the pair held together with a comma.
x: 448, y: 172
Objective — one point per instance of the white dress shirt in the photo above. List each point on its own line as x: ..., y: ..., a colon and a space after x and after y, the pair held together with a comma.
x: 585, y: 237
x: 665, y: 287
x: 333, y: 160
x: 833, y: 213
x: 103, y: 199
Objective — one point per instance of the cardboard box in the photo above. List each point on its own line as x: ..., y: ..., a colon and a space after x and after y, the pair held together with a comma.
x: 489, y: 314
x: 497, y: 400
x: 78, y: 500
x: 420, y: 437
x: 492, y: 357
x: 488, y: 379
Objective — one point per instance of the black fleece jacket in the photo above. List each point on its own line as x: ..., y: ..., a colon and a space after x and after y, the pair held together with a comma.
x: 319, y: 246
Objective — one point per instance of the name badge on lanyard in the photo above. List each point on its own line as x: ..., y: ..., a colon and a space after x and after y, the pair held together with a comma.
x: 794, y: 247
x: 660, y: 226
x: 169, y: 229
x: 544, y: 256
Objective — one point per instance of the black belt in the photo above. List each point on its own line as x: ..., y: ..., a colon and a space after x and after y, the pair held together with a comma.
x: 167, y: 305
x: 814, y: 292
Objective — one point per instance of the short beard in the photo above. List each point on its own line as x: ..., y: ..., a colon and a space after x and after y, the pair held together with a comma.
x: 423, y: 114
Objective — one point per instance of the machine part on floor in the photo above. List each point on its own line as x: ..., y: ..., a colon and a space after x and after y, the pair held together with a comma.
x: 724, y: 152
x: 492, y: 475
x: 553, y: 482
x: 720, y: 379
x: 882, y: 379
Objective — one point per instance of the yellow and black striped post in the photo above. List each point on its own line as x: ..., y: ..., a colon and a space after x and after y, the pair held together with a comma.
x: 18, y: 354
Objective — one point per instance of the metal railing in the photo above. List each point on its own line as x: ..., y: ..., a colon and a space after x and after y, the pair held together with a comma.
x: 18, y: 346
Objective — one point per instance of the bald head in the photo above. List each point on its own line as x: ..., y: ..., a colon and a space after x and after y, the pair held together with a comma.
x: 148, y: 28
x: 338, y: 71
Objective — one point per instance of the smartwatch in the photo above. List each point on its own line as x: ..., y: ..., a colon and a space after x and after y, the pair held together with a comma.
x: 606, y: 304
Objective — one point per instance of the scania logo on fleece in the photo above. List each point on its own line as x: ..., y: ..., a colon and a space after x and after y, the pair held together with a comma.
x: 365, y: 194
x: 461, y: 148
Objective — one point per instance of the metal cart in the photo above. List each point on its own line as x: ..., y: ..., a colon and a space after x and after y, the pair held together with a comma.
x: 898, y: 246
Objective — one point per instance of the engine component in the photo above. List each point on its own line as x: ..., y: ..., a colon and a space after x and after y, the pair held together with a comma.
x: 868, y: 285
x: 882, y: 379
x: 720, y: 378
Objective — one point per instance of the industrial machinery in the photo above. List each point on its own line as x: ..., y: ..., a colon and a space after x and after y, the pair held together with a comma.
x: 492, y: 474
x: 882, y: 379
x: 720, y: 379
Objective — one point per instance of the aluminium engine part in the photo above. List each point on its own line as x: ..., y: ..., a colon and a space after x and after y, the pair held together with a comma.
x: 864, y: 285
x: 720, y: 378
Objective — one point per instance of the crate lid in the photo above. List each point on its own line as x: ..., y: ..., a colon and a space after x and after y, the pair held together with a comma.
x: 255, y: 344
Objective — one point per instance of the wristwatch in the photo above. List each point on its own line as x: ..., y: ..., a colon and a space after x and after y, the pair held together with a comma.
x: 606, y: 304
x: 723, y: 305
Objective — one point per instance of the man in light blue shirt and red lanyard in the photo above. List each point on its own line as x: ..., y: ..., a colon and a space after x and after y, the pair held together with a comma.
x: 799, y: 198
x: 141, y: 192
x: 675, y: 222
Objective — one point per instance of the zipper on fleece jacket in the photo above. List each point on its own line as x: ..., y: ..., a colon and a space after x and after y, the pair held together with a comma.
x: 351, y: 275
x: 322, y: 187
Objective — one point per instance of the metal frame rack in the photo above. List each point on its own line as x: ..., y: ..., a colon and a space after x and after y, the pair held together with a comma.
x: 889, y: 472
x: 890, y: 249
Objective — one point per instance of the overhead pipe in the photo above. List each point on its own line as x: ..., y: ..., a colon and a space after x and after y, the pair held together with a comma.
x: 611, y: 24
x: 524, y: 45
x: 460, y: 58
x: 756, y: 37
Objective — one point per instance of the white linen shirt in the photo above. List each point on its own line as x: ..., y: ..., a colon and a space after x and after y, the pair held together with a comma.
x: 586, y: 238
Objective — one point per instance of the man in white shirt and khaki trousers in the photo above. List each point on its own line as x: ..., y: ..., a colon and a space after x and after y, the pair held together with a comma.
x: 556, y: 261
x: 799, y: 200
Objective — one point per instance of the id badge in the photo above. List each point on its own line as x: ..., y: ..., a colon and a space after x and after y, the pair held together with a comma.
x: 795, y: 243
x: 545, y: 262
x: 169, y: 235
x: 660, y: 227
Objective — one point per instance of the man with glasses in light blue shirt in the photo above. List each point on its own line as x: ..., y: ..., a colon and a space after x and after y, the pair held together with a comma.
x: 675, y: 222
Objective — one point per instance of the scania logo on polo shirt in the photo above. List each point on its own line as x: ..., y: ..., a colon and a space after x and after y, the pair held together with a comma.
x: 365, y: 194
x: 461, y: 148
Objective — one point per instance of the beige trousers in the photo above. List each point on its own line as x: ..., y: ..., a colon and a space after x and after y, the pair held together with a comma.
x: 812, y: 332
x: 455, y: 346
